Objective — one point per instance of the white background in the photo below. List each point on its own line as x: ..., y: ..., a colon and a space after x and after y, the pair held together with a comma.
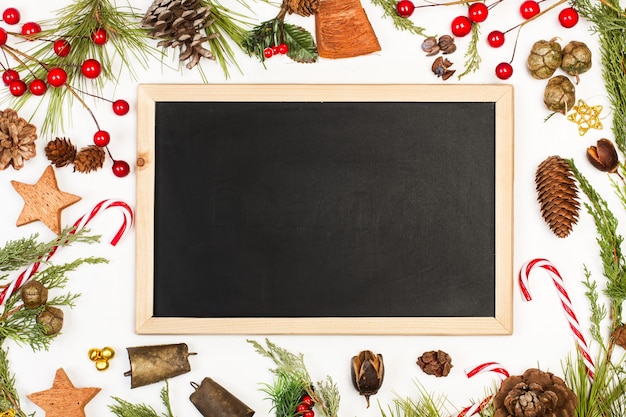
x: 104, y: 315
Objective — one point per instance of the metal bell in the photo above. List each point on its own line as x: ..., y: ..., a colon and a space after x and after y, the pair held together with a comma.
x: 213, y: 400
x: 150, y: 364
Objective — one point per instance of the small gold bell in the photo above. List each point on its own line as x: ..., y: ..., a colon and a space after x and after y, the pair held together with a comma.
x: 101, y: 357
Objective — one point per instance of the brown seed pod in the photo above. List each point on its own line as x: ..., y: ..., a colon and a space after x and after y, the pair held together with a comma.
x: 576, y: 58
x: 33, y: 294
x: 430, y: 46
x: 603, y: 156
x: 559, y: 94
x: 367, y: 372
x: 51, y: 319
x: 545, y: 57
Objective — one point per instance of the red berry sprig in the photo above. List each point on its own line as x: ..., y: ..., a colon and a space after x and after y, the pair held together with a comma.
x: 405, y: 8
x: 11, y: 16
x: 271, y: 51
x: 305, y: 408
x: 100, y: 36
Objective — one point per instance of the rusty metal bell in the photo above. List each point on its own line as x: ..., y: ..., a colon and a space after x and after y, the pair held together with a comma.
x: 213, y: 400
x: 150, y: 364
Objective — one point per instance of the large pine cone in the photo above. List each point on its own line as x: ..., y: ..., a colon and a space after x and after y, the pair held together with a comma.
x: 180, y: 23
x: 61, y: 152
x: 534, y: 394
x: 90, y: 158
x: 301, y: 7
x: 557, y: 195
x: 17, y: 140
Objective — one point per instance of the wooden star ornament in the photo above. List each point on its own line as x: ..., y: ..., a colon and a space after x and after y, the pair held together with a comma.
x: 63, y: 399
x: 43, y: 201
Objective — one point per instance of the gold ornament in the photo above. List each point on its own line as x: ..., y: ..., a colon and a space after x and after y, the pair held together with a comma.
x: 101, y: 357
x: 586, y: 117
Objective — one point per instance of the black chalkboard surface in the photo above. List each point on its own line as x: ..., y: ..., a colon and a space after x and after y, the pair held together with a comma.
x: 267, y: 212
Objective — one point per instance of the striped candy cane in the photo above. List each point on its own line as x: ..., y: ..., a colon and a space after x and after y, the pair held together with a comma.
x: 566, y: 303
x: 32, y: 269
x: 484, y: 367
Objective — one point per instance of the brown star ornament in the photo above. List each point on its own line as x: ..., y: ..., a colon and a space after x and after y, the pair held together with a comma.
x: 43, y: 201
x: 63, y: 399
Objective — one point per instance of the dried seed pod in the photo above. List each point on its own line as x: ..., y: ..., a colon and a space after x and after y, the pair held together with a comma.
x: 430, y: 46
x: 446, y: 44
x: 576, y: 58
x: 435, y: 362
x: 34, y: 294
x: 559, y: 94
x: 619, y: 335
x: 545, y: 57
x: 367, y: 372
x: 51, y: 318
x: 603, y: 156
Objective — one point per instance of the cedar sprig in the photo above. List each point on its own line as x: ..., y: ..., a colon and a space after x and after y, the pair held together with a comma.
x: 124, y: 408
x: 291, y: 373
x: 9, y: 398
x: 598, y: 310
x: 472, y: 56
x: 399, y: 22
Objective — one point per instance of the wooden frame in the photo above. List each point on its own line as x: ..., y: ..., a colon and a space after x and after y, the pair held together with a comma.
x: 501, y: 323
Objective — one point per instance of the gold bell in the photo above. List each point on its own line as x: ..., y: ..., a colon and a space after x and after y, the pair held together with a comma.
x: 150, y: 364
x: 213, y: 400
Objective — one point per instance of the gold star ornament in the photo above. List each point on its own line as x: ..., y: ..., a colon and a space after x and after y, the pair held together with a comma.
x: 43, y: 201
x: 63, y: 399
x: 586, y: 117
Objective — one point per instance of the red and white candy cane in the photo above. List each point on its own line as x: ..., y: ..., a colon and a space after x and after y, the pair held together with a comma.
x: 484, y: 367
x: 32, y: 269
x: 566, y: 303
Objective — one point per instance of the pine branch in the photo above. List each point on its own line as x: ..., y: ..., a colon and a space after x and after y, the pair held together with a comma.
x: 124, y: 408
x: 425, y: 404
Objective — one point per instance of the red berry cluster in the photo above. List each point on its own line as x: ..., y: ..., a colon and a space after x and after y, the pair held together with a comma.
x: 305, y: 408
x: 270, y: 51
x: 57, y: 76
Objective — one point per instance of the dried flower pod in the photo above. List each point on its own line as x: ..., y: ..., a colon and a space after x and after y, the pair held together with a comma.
x: 576, y: 58
x: 603, y: 156
x: 446, y: 44
x: 560, y: 94
x: 545, y: 57
x: 435, y: 362
x: 367, y: 371
x: 430, y: 46
x: 34, y: 294
x: 534, y: 394
x: 51, y: 318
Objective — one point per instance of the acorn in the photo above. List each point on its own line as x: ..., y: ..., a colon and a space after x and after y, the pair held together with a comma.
x: 33, y: 294
x: 559, y: 94
x: 51, y: 318
x: 367, y: 371
x: 603, y: 156
x: 545, y: 57
x: 576, y: 58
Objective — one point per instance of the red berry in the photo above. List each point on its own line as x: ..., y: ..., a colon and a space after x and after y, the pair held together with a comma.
x: 91, y: 68
x: 461, y: 26
x: 275, y: 50
x: 101, y: 138
x: 120, y: 107
x: 38, y: 87
x: 283, y: 48
x: 405, y: 8
x: 30, y: 28
x: 121, y: 168
x: 495, y: 39
x: 568, y: 17
x: 57, y: 77
x: 17, y: 88
x: 268, y: 53
x: 301, y: 408
x: 308, y: 413
x: 504, y: 70
x: 61, y: 47
x: 100, y: 36
x: 11, y: 16
x: 306, y: 399
x: 9, y: 76
x: 478, y: 12
x: 3, y: 37
x: 529, y: 8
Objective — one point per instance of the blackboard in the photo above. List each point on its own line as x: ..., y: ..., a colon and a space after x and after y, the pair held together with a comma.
x: 324, y: 209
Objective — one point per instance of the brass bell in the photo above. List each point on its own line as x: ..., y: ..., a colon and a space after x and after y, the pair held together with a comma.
x: 213, y: 400
x: 150, y: 364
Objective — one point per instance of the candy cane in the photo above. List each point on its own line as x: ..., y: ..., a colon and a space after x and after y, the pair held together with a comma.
x: 32, y: 269
x: 566, y: 303
x: 484, y: 367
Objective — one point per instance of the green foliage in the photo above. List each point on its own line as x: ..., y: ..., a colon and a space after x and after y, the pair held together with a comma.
x: 275, y: 31
x: 9, y: 398
x: 123, y: 408
x: 301, y: 44
x: 472, y: 57
x: 424, y: 404
x: 598, y: 311
x: 399, y: 22
x: 293, y: 379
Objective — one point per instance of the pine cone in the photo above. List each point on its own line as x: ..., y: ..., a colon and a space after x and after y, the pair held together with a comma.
x: 534, y: 394
x: 557, y: 195
x: 90, y: 158
x: 301, y: 7
x: 435, y: 362
x: 17, y: 140
x: 61, y: 152
x: 619, y: 335
x: 180, y: 23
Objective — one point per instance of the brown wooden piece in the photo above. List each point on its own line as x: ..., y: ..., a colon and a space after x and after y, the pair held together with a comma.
x: 43, y: 201
x: 63, y: 399
x: 342, y: 30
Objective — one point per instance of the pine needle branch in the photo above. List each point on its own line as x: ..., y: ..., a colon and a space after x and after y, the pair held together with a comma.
x: 123, y: 408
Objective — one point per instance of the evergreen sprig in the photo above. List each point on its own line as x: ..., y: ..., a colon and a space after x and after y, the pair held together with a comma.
x: 598, y: 310
x: 292, y: 379
x: 424, y: 404
x: 9, y: 397
x: 124, y: 408
x: 472, y: 56
x: 273, y: 32
x: 399, y: 22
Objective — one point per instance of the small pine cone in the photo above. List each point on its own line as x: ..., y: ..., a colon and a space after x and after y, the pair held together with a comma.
x: 557, y: 195
x: 435, y: 362
x: 61, y: 152
x: 90, y: 158
x: 301, y: 7
x: 619, y: 335
x: 17, y: 140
